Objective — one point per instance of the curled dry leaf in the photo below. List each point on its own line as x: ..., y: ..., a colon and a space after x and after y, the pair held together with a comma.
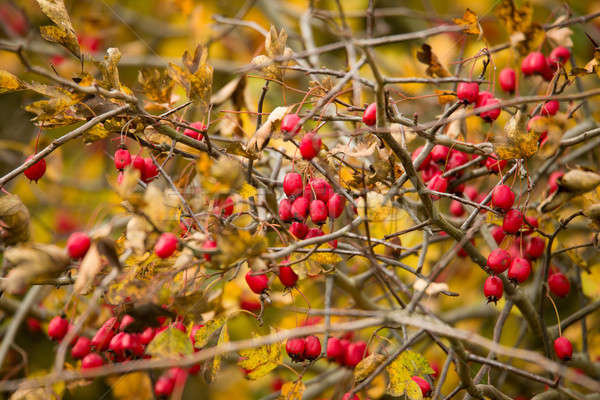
x: 367, y: 365
x: 292, y: 390
x: 196, y: 77
x: 574, y: 183
x: 434, y: 68
x: 156, y: 84
x: 431, y: 290
x: 63, y: 33
x: 470, y: 22
x: 108, y: 67
x: 89, y: 268
x: 135, y: 234
x: 516, y: 141
x: 9, y: 82
x: 262, y: 135
x: 14, y: 220
x: 560, y: 36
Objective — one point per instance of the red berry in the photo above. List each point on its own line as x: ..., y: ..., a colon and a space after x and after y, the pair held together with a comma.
x: 122, y: 158
x: 250, y: 305
x: 164, y: 386
x: 494, y: 164
x: 126, y: 321
x: 299, y: 230
x: 425, y: 162
x: 503, y: 197
x: 535, y: 247
x: 438, y: 184
x: 493, y: 289
x: 165, y: 245
x: 436, y: 369
x: 559, y: 284
x: 116, y: 344
x: 439, y: 153
x: 150, y: 170
x: 553, y: 180
x: 512, y: 222
x: 292, y: 184
x: 494, y: 113
x: 318, y: 189
x: 456, y: 208
x: 192, y: 133
x: 471, y: 192
x: 318, y: 212
x: 499, y: 260
x: 550, y: 108
x: 527, y: 66
x: 563, y: 348
x: 423, y: 385
x: 335, y: 350
x: 287, y: 276
x: 457, y: 158
x: 57, y: 328
x: 257, y: 283
x: 290, y: 124
x: 519, y: 270
x: 147, y: 335
x: 349, y: 396
x: 285, y: 210
x: 335, y: 205
x: 482, y: 97
x: 105, y: 333
x: 354, y: 353
x: 538, y: 62
x: 81, y: 348
x: 370, y: 115
x: 92, y: 360
x: 295, y: 349
x: 78, y: 244
x: 559, y: 55
x: 310, y: 145
x: 312, y: 348
x: 224, y: 207
x: 300, y: 208
x: 37, y: 170
x: 498, y: 234
x: 314, y: 232
x: 208, y: 245
x: 33, y: 325
x: 428, y: 173
x: 467, y: 91
x: 508, y: 80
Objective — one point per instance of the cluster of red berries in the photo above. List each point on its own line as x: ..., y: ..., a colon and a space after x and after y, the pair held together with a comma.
x: 146, y: 166
x: 468, y: 93
x: 345, y: 352
x: 316, y: 200
x: 536, y: 63
x: 302, y: 349
x: 311, y: 142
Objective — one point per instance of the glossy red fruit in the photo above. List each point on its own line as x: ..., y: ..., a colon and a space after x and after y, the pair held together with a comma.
x: 295, y: 349
x: 563, y: 348
x: 538, y: 62
x: 493, y: 289
x: 436, y: 369
x: 559, y: 55
x: 147, y: 335
x: 33, y: 325
x: 299, y: 230
x: 81, y: 348
x: 438, y: 184
x: 287, y: 276
x: 318, y: 212
x: 508, y: 80
x: 208, y: 245
x: 138, y: 163
x: 290, y: 124
x: 300, y: 208
x: 312, y: 348
x: 164, y: 386
x: 78, y: 244
x: 512, y: 222
x: 314, y: 232
x: 310, y: 145
x: 456, y: 208
x: 166, y: 245
x: 58, y: 328
x: 550, y: 108
x: 224, y: 207
x: 122, y: 158
x: 335, y: 350
x: 350, y: 396
x: 37, y: 170
x: 257, y: 283
x: 519, y: 270
x: 150, y: 170
x: 285, y: 210
x: 503, y: 197
x: 535, y: 248
x: 471, y: 192
x: 428, y: 173
x: 354, y: 353
x: 553, y: 181
x: 92, y: 360
x: 494, y: 113
x: 335, y: 205
x: 559, y: 284
x: 423, y: 385
x: 292, y: 184
x: 370, y: 115
x: 456, y: 159
x: 492, y: 163
x: 467, y: 91
x: 498, y: 234
x: 318, y: 189
x: 192, y: 133
x: 116, y: 344
x: 126, y: 321
x: 499, y: 260
x: 104, y: 334
x: 526, y: 65
x: 439, y: 153
x: 425, y: 162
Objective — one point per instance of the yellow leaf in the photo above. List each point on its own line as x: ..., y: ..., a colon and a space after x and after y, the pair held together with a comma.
x: 196, y: 77
x: 366, y: 366
x: 516, y: 142
x: 55, y: 34
x: 8, y: 82
x: 292, y: 390
x: 248, y: 191
x: 133, y: 386
x: 445, y: 97
x: 170, y: 343
x: 399, y: 378
x: 261, y: 360
x: 560, y: 36
x: 434, y: 68
x: 415, y: 363
x: 156, y: 84
x: 325, y: 258
x: 108, y: 67
x: 14, y: 219
x: 413, y: 391
x: 203, y: 334
x: 591, y: 282
x: 57, y: 12
x: 470, y: 22
x: 216, y: 364
x: 514, y: 19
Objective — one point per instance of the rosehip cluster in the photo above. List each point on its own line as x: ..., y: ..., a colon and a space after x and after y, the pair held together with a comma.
x: 146, y: 166
x: 536, y: 63
x: 346, y: 353
x: 468, y: 92
x: 302, y: 349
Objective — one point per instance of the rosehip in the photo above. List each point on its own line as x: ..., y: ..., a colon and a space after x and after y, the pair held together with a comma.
x: 295, y: 349
x: 508, y: 80
x: 257, y: 283
x: 503, y: 197
x: 498, y: 234
x: 527, y: 66
x: 456, y: 208
x: 318, y: 189
x: 314, y: 232
x: 519, y: 270
x: 494, y: 164
x: 285, y: 210
x: 355, y: 353
x: 298, y: 230
x: 494, y: 113
x: 58, y: 328
x: 535, y: 247
x: 37, y: 170
x: 512, y: 222
x: 482, y: 97
x: 499, y: 260
x: 122, y: 158
x: 192, y: 133
x: 457, y: 158
x: 335, y: 350
x: 370, y: 115
x: 287, y: 276
x: 423, y: 385
x: 208, y: 245
x: 318, y: 212
x: 165, y: 245
x: 425, y: 162
x: 559, y: 55
x: 292, y: 184
x: 310, y: 145
x: 467, y: 91
x: 105, y: 333
x: 81, y: 348
x: 164, y: 386
x: 289, y: 124
x: 33, y: 325
x: 550, y: 108
x: 438, y: 184
x: 471, y: 192
x: 300, y: 208
x: 563, y: 348
x: 126, y: 321
x: 312, y: 348
x: 78, y: 244
x: 349, y: 396
x: 150, y: 170
x: 439, y: 153
x: 335, y: 205
x: 538, y: 62
x: 428, y: 173
x: 92, y: 360
x: 493, y: 289
x: 553, y: 180
x: 559, y: 284
x: 147, y: 335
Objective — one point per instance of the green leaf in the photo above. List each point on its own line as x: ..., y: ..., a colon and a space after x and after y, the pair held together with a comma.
x: 400, y: 373
x: 203, y: 334
x: 261, y: 360
x: 415, y: 363
x: 170, y: 343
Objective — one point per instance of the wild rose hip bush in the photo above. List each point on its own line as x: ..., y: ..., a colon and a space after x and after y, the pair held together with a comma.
x: 299, y: 199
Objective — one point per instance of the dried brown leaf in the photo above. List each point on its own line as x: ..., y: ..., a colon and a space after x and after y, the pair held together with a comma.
x: 434, y: 68
x: 14, y: 220
x: 56, y: 11
x: 516, y: 142
x: 470, y: 22
x: 89, y: 268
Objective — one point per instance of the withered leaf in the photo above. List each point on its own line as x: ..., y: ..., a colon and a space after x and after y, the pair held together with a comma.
x: 560, y: 36
x: 14, y: 220
x: 89, y: 268
x: 514, y: 19
x: 529, y: 40
x: 261, y: 137
x: 470, y: 22
x: 156, y: 84
x: 516, y: 142
x: 573, y: 183
x: 196, y: 77
x: 292, y: 390
x: 367, y: 365
x: 9, y: 82
x: 110, y: 72
x: 445, y: 96
x: 56, y: 11
x: 434, y: 68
